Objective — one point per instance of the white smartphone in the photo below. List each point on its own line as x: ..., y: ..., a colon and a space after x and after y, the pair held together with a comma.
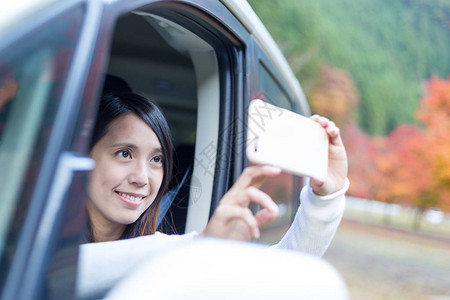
x: 282, y: 138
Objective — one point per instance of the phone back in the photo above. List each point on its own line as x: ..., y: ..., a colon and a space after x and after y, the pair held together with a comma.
x: 281, y: 138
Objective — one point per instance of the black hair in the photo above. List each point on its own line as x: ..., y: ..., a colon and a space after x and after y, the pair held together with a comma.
x: 115, y: 84
x: 116, y: 104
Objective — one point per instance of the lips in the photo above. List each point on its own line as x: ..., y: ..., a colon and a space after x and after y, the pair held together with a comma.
x: 131, y: 199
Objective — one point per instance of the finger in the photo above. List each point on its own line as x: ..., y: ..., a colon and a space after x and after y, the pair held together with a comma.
x: 228, y: 213
x: 330, y: 127
x: 321, y: 120
x: 259, y: 197
x: 254, y: 176
x: 315, y: 117
x: 335, y: 137
x: 333, y: 132
x: 264, y: 217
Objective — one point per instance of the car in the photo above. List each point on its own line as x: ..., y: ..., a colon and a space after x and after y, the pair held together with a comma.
x: 201, y: 61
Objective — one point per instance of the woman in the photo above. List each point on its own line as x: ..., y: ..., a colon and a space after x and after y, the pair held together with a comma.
x: 132, y: 148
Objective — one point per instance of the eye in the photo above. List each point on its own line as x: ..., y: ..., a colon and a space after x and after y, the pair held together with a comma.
x: 157, y: 159
x: 124, y: 154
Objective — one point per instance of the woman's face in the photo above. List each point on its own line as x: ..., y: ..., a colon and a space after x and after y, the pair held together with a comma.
x: 128, y: 172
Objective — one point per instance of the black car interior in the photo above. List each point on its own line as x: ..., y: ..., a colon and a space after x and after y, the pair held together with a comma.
x: 143, y: 59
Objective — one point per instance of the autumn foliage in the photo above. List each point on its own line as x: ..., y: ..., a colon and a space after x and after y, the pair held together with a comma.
x: 413, y: 161
x: 411, y: 165
x: 434, y: 113
x: 335, y: 96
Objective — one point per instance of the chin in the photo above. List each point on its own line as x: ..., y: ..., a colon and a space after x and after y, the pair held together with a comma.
x: 127, y: 220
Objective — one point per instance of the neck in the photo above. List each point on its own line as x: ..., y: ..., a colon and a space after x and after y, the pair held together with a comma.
x: 101, y: 233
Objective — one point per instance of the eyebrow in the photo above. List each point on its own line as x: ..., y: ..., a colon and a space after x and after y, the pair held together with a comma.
x: 126, y: 145
x: 132, y: 146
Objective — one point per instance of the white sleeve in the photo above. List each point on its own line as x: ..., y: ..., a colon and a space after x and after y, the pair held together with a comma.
x: 316, y: 221
x: 102, y: 265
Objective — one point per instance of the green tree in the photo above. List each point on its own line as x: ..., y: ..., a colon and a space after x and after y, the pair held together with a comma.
x: 292, y: 24
x: 388, y: 48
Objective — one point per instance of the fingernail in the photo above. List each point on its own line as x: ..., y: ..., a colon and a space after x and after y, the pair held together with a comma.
x: 275, y: 208
x: 256, y: 234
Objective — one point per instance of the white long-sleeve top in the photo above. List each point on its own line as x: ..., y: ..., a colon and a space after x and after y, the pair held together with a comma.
x: 316, y: 221
x: 102, y: 265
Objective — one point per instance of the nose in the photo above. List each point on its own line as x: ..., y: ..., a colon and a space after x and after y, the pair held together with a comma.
x: 139, y: 174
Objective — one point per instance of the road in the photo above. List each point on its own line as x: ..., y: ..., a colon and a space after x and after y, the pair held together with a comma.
x: 378, y: 262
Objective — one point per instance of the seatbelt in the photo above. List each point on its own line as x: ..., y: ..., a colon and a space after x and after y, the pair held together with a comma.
x: 168, y: 198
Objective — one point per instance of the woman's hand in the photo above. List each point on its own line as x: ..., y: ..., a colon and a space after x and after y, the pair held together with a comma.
x: 232, y: 218
x: 337, y: 160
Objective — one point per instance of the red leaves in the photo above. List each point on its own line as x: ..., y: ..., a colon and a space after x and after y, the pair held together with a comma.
x: 412, y: 164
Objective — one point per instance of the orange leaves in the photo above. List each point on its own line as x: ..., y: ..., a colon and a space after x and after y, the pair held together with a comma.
x: 421, y: 157
x: 412, y: 164
x: 434, y: 109
x: 402, y: 164
x: 335, y: 96
x: 434, y: 112
x: 417, y: 161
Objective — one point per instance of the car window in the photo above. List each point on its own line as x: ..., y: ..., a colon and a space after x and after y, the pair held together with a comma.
x: 177, y: 69
x: 284, y: 189
x: 32, y: 75
x: 272, y: 90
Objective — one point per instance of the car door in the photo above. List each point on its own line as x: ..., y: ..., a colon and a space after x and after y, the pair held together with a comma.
x: 44, y: 55
x: 52, y: 68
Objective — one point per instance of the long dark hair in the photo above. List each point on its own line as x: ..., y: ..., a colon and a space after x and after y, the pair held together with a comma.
x: 116, y: 104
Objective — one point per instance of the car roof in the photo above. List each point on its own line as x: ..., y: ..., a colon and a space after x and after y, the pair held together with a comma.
x: 14, y: 12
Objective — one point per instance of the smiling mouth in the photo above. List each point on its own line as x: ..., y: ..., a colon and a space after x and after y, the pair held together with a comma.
x: 131, y: 197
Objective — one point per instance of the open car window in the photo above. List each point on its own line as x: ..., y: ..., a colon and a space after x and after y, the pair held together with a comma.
x: 178, y: 70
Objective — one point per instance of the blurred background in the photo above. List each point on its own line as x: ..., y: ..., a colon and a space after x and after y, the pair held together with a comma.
x: 381, y: 70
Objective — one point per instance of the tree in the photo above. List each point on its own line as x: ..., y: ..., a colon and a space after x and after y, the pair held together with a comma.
x: 401, y: 165
x: 413, y: 163
x: 388, y: 50
x: 335, y: 96
x: 434, y: 112
x: 361, y: 152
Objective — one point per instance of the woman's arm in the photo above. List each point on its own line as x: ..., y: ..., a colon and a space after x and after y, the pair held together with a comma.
x: 318, y: 217
x: 322, y: 203
x: 316, y: 221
